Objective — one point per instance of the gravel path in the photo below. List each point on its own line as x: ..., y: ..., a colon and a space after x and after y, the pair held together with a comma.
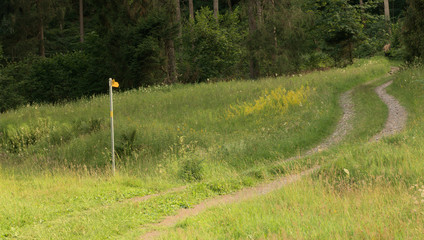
x: 396, y: 120
x: 343, y: 126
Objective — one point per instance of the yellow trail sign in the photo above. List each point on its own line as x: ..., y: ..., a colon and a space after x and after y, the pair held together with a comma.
x: 112, y: 83
x: 115, y: 83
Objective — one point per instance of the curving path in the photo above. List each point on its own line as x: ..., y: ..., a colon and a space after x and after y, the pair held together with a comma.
x: 343, y: 127
x: 244, y: 194
x: 396, y: 122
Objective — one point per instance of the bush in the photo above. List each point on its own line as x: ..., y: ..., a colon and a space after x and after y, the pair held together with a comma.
x: 18, y: 138
x: 14, y: 79
x: 340, y: 25
x: 127, y: 143
x: 132, y: 53
x: 191, y: 170
x: 316, y: 60
x: 61, y: 77
x: 83, y: 126
x: 60, y: 134
x: 10, y: 96
x: 44, y: 131
x: 212, y: 50
x: 413, y: 30
x: 64, y: 77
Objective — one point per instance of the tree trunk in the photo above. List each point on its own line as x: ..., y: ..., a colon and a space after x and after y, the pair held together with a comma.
x: 42, y: 48
x: 253, y: 65
x: 41, y: 29
x: 230, y: 7
x: 274, y: 54
x: 386, y: 10
x: 191, y: 9
x: 361, y: 5
x: 215, y: 9
x: 178, y: 18
x: 171, y: 64
x: 260, y: 14
x: 387, y: 15
x: 81, y: 20
x: 252, y: 20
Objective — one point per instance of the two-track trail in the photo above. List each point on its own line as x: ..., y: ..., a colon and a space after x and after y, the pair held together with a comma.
x: 343, y: 126
x: 396, y: 121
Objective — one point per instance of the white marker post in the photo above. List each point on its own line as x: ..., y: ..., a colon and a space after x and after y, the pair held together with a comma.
x: 112, y: 83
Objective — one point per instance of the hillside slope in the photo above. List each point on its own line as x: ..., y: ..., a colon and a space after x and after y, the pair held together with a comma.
x: 364, y: 190
x: 211, y: 138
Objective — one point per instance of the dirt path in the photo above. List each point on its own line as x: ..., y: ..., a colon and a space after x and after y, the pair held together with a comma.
x: 343, y: 126
x: 342, y: 129
x: 396, y: 120
x: 244, y: 194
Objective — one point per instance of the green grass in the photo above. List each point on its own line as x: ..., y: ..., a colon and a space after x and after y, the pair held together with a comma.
x: 370, y: 112
x: 55, y: 180
x: 78, y: 133
x: 363, y: 190
x: 311, y: 210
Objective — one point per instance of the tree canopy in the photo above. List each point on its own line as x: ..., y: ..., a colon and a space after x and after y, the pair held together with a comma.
x: 49, y: 52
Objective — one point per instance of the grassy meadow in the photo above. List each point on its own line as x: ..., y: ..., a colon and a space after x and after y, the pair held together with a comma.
x: 215, y: 138
x: 364, y: 190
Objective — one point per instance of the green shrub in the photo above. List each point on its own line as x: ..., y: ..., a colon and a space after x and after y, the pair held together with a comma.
x: 64, y: 133
x: 83, y: 126
x: 127, y: 143
x: 316, y: 60
x: 55, y: 79
x: 14, y: 81
x: 9, y: 93
x: 63, y: 77
x: 191, y: 170
x: 18, y: 138
x: 212, y: 50
x: 225, y: 186
x: 413, y: 31
x: 340, y: 31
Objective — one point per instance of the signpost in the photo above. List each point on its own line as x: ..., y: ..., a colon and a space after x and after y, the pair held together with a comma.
x: 112, y: 83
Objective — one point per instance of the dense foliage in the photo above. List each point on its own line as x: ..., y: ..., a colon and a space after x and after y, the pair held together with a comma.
x: 50, y: 51
x: 413, y: 31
